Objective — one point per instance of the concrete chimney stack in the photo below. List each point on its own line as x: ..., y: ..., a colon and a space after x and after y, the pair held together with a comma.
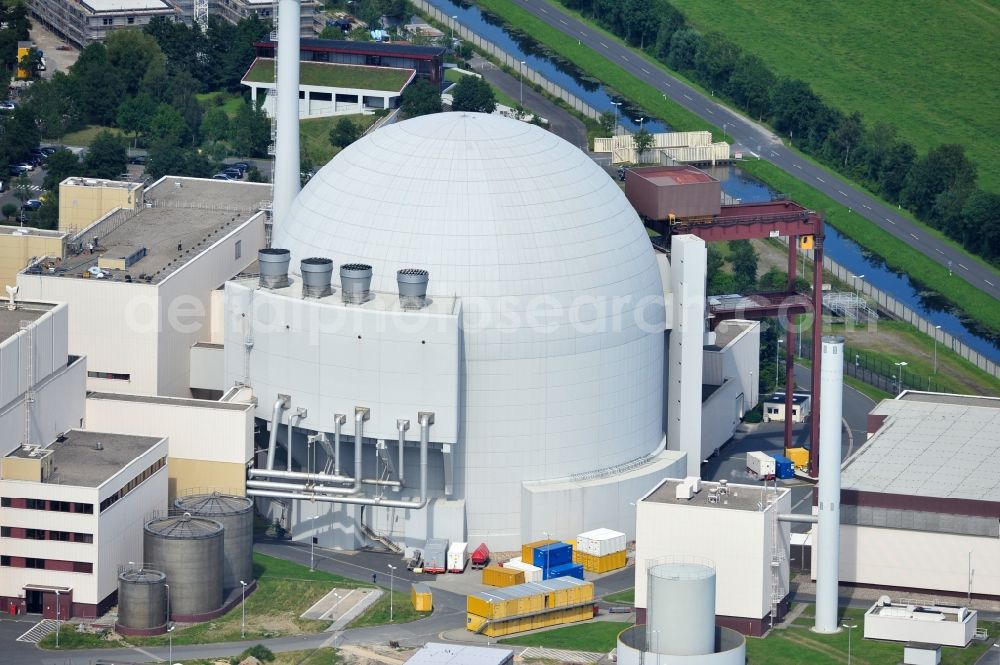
x: 286, y: 158
x: 828, y: 540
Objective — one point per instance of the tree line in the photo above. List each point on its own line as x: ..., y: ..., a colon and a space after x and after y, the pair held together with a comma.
x: 938, y: 187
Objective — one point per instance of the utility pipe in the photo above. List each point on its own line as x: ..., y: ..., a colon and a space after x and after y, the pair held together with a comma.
x: 402, y: 426
x: 426, y: 420
x: 300, y: 413
x: 797, y: 517
x: 338, y: 420
x: 361, y: 414
x: 272, y: 442
x: 297, y: 487
x: 299, y: 475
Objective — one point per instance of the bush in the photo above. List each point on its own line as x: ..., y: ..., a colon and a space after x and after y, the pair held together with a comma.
x: 258, y: 651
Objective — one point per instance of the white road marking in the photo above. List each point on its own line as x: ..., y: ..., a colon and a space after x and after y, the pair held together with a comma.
x: 988, y: 282
x: 666, y: 84
x: 962, y: 267
x: 544, y: 10
x: 583, y: 33
x: 798, y: 166
x: 686, y: 96
x: 644, y: 69
x: 867, y: 207
x: 842, y: 192
x: 914, y: 237
x: 710, y: 111
x: 890, y: 221
x: 603, y: 44
x: 821, y: 180
x: 624, y: 58
x: 563, y: 22
x: 938, y: 251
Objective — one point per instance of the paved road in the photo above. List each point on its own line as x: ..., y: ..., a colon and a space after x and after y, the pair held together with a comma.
x: 561, y: 122
x: 764, y: 143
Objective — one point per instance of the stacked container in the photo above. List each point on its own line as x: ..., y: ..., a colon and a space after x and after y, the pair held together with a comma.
x: 529, y: 606
x: 565, y: 570
x: 420, y: 596
x: 502, y: 577
x: 783, y: 467
x: 799, y: 457
x: 531, y: 573
x: 600, y: 550
x: 528, y: 549
x: 552, y: 556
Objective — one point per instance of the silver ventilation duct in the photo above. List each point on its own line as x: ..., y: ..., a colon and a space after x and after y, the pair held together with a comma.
x: 273, y: 267
x: 317, y: 274
x: 355, y: 282
x: 412, y: 283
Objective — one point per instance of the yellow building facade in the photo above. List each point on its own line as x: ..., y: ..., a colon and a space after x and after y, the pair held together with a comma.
x: 83, y: 201
x: 19, y: 245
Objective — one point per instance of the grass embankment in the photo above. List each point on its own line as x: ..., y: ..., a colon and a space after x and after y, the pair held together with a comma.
x: 625, y: 597
x: 900, y: 256
x: 284, y: 591
x: 595, y: 636
x: 897, y: 254
x: 855, y: 72
x: 227, y: 101
x: 314, y: 135
x: 611, y: 75
x: 452, y: 76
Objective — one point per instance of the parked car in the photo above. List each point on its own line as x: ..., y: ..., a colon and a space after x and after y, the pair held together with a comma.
x: 32, y: 204
x: 235, y: 174
x: 17, y: 170
x: 223, y: 176
x: 7, y: 106
x: 52, y: 149
x: 25, y: 166
x: 242, y: 166
x: 138, y: 159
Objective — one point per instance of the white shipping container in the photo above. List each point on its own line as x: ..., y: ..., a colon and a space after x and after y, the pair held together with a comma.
x: 531, y: 573
x: 600, y: 542
x: 760, y: 464
x: 458, y: 555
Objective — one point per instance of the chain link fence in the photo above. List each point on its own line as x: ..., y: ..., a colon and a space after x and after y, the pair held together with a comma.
x: 881, y: 373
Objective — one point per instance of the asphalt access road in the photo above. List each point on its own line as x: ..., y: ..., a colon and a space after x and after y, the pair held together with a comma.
x: 562, y: 123
x: 767, y: 146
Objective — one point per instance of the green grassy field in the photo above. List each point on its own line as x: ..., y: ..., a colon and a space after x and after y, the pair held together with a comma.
x: 322, y: 656
x: 314, y: 136
x: 284, y: 591
x: 336, y: 76
x: 85, y: 136
x: 229, y: 102
x: 626, y: 596
x: 595, y: 636
x: 897, y: 61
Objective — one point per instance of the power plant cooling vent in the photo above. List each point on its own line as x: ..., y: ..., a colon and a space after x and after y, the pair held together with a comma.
x: 412, y: 283
x: 355, y: 282
x: 317, y: 274
x: 274, y: 267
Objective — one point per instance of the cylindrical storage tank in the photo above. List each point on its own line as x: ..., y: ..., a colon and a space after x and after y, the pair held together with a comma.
x: 142, y: 599
x: 273, y: 267
x: 235, y: 514
x: 317, y: 274
x: 355, y: 282
x: 412, y: 283
x: 189, y: 551
x: 680, y: 609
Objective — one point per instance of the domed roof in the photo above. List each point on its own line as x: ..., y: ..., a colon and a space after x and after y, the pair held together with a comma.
x: 489, y: 205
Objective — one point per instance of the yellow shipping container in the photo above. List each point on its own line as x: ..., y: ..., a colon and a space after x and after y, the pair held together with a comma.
x: 601, y: 564
x: 799, y: 457
x: 519, y: 625
x: 421, y: 597
x: 500, y: 577
x: 528, y: 549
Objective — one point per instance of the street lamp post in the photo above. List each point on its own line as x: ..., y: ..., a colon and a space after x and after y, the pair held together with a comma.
x: 616, y: 105
x: 170, y: 629
x: 936, y: 330
x: 639, y: 120
x: 392, y: 573
x: 899, y: 385
x: 243, y: 604
x: 58, y: 626
x: 724, y: 126
x: 777, y: 363
x: 453, y: 19
x: 850, y: 631
x: 857, y: 287
x: 520, y: 81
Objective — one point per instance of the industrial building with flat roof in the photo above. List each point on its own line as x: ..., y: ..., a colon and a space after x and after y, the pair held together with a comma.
x: 921, y: 498
x: 734, y: 526
x: 427, y: 61
x: 85, y: 21
x: 141, y: 295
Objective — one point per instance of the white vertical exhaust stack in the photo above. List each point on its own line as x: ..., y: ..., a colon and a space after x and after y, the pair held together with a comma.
x: 830, y: 418
x: 286, y: 158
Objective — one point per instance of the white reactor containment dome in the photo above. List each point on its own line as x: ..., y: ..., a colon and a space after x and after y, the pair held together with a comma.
x: 561, y: 297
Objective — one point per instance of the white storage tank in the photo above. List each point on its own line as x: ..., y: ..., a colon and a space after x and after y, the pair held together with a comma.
x: 681, y: 608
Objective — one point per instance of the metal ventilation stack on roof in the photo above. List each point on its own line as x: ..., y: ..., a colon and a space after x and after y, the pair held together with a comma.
x: 356, y: 282
x: 412, y: 283
x: 274, y: 267
x: 317, y: 274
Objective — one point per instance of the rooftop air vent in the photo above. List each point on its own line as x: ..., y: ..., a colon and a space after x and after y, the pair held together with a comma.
x: 98, y: 446
x: 355, y: 282
x: 412, y: 283
x: 273, y: 267
x: 317, y: 273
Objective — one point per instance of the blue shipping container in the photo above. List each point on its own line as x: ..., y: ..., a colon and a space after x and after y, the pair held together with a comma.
x: 565, y: 570
x: 555, y: 554
x: 783, y: 467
